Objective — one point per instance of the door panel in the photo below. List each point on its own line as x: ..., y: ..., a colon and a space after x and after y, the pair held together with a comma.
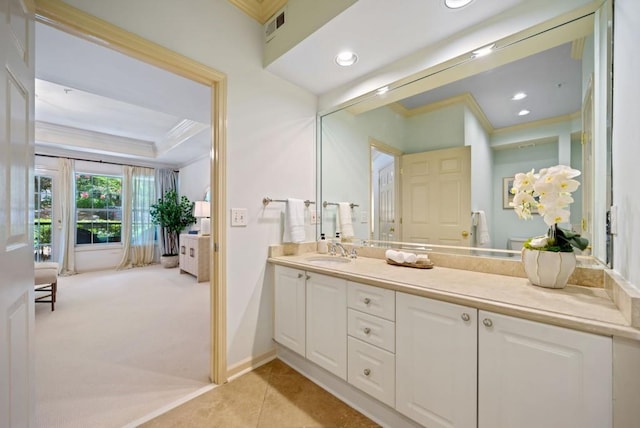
x: 16, y: 234
x: 436, y: 196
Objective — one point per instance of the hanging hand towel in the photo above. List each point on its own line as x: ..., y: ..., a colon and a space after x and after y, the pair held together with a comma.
x: 482, y: 231
x: 344, y: 219
x: 294, y: 221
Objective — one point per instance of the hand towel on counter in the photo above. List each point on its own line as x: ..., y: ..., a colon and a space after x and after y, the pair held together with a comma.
x: 396, y: 256
x: 344, y: 220
x: 482, y: 230
x: 294, y: 221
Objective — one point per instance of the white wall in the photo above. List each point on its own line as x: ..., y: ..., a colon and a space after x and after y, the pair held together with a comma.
x: 439, y: 129
x: 194, y: 179
x: 626, y: 140
x: 271, y: 135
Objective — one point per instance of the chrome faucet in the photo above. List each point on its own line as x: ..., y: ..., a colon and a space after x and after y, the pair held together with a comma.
x: 343, y: 251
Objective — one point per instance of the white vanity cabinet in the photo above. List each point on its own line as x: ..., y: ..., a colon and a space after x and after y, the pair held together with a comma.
x: 290, y: 304
x: 535, y: 375
x: 194, y: 256
x: 436, y: 362
x: 327, y: 323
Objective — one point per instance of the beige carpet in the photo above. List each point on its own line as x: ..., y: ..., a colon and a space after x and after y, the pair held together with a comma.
x: 120, y: 345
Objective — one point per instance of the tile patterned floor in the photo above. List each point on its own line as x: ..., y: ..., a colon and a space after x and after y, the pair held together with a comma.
x: 272, y: 396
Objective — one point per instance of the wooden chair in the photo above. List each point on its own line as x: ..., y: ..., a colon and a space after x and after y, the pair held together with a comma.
x: 46, y: 282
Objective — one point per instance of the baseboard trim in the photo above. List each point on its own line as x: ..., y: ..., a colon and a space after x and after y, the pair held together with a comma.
x: 250, y: 364
x: 170, y: 406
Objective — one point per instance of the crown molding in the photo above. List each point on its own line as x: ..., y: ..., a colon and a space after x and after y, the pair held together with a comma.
x: 91, y: 141
x: 184, y: 130
x: 260, y: 10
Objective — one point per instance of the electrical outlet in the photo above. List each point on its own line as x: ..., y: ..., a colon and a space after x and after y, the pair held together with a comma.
x: 363, y: 217
x: 239, y: 217
x: 313, y: 217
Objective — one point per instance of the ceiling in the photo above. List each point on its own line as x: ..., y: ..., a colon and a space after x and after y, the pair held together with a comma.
x: 95, y: 103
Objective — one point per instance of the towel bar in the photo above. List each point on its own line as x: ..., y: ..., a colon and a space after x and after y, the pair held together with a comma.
x: 351, y: 204
x: 267, y: 200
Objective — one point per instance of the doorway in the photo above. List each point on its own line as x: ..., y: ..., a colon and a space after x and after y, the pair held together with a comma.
x: 76, y: 22
x: 384, y: 168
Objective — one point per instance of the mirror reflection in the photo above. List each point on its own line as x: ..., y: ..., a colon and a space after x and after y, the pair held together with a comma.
x: 436, y: 167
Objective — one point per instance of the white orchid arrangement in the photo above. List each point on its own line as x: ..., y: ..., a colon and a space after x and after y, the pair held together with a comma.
x: 549, y: 192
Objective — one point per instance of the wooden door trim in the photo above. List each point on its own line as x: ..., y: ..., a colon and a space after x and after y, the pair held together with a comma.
x: 75, y: 21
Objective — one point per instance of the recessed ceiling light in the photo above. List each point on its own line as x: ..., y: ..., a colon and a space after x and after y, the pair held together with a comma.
x: 519, y: 96
x: 346, y: 58
x: 484, y: 51
x: 523, y: 112
x: 382, y: 90
x: 456, y: 4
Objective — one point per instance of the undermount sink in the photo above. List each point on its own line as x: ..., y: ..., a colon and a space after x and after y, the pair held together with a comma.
x: 328, y: 260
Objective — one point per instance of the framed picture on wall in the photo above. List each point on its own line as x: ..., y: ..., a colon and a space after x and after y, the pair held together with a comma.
x: 507, y: 196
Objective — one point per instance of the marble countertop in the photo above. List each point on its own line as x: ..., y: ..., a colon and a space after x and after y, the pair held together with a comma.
x: 581, y: 308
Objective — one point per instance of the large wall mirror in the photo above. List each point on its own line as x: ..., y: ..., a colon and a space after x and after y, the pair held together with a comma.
x: 431, y: 162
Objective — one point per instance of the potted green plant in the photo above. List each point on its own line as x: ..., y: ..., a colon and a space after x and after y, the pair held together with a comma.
x: 549, y: 259
x: 174, y: 214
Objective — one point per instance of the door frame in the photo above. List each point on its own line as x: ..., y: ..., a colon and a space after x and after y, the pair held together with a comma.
x: 89, y: 27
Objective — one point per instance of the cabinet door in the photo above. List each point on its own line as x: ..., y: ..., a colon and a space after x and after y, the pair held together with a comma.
x: 535, y: 375
x: 436, y: 362
x: 289, y: 302
x: 327, y: 323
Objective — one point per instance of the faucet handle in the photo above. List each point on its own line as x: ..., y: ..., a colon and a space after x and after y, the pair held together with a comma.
x: 353, y: 254
x: 332, y: 249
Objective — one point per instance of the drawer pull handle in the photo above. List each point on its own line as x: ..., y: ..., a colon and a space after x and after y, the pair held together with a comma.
x: 366, y: 372
x: 465, y: 317
x: 367, y: 300
x: 367, y: 330
x: 487, y: 322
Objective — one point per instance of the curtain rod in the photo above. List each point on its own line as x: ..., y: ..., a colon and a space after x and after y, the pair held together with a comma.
x: 96, y: 161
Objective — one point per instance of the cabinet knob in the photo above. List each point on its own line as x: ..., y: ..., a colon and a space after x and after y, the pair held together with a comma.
x: 487, y: 322
x: 465, y: 317
x: 366, y: 372
x: 366, y: 330
x: 300, y: 275
x: 367, y: 300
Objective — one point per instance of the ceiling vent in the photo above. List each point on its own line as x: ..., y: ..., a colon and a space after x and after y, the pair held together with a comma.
x: 274, y: 24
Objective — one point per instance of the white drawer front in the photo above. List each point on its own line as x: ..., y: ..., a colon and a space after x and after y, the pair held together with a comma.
x: 374, y: 330
x: 372, y: 370
x: 372, y: 300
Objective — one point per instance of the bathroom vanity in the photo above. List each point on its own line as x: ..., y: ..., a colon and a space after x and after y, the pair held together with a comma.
x: 448, y: 347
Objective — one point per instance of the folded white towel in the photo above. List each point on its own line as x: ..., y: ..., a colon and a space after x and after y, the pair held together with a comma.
x: 410, y: 258
x: 294, y: 221
x: 344, y: 220
x: 396, y: 256
x: 422, y: 258
x: 482, y: 231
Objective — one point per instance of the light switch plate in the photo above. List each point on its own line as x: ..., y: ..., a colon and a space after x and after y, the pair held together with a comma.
x: 239, y: 217
x: 363, y: 217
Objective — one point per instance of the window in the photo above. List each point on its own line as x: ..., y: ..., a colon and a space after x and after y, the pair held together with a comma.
x: 42, y: 218
x: 98, y: 208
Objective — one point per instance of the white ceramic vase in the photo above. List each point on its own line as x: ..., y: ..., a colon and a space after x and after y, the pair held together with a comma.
x: 547, y: 268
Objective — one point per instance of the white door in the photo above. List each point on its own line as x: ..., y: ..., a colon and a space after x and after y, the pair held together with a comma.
x: 387, y: 207
x: 16, y: 230
x: 436, y: 362
x: 534, y: 375
x: 436, y: 197
x: 289, y: 317
x: 327, y: 323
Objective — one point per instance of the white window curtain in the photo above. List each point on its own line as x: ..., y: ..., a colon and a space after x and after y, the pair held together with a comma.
x: 67, y: 217
x: 138, y: 231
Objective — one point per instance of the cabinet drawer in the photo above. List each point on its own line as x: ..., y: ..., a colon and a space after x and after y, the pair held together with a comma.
x: 374, y: 330
x: 372, y: 300
x: 372, y: 370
